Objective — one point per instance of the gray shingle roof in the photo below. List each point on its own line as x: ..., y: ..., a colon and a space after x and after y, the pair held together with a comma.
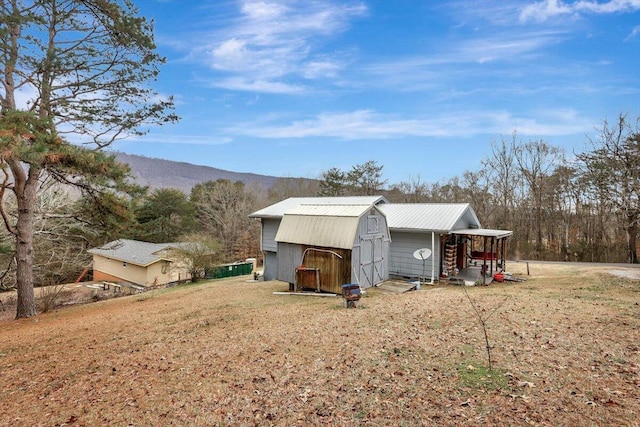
x: 133, y: 251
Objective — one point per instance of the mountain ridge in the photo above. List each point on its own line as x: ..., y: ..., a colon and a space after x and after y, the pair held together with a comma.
x: 162, y: 173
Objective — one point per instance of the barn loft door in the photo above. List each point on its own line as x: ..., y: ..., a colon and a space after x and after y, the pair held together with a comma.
x: 371, y: 260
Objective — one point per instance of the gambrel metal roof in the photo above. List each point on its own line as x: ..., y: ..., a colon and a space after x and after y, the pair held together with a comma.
x: 444, y: 217
x: 279, y: 209
x: 332, y: 226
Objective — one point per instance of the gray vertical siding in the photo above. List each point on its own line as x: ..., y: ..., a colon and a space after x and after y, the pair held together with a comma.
x: 270, y: 265
x: 269, y: 230
x: 289, y: 256
x: 372, y: 223
x: 269, y: 247
x: 402, y: 263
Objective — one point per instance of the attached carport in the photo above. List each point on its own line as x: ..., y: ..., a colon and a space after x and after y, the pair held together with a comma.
x: 491, y: 251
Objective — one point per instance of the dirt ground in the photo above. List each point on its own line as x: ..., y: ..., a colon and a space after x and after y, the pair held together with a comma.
x: 565, y: 349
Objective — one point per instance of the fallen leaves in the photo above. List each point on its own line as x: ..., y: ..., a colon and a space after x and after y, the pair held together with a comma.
x: 229, y: 353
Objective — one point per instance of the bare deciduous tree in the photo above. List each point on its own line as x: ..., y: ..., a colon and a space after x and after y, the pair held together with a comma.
x: 612, y: 168
x: 222, y: 209
x: 536, y: 161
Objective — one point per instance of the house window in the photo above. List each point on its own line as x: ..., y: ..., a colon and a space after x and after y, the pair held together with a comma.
x: 124, y: 264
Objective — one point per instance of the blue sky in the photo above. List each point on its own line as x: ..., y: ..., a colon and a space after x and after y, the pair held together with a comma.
x: 295, y: 87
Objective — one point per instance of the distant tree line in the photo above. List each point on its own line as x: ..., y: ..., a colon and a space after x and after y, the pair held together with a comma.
x: 561, y: 206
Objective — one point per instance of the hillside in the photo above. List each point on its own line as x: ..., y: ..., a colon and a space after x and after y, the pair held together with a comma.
x: 229, y: 352
x: 160, y: 173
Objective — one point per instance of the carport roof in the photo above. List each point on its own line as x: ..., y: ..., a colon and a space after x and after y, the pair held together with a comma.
x: 485, y: 232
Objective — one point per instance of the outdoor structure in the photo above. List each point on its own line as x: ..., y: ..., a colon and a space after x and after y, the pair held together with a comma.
x: 325, y: 246
x: 139, y: 263
x: 271, y: 217
x: 452, y: 234
x: 427, y: 241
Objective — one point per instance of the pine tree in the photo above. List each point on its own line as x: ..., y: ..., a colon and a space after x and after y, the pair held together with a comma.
x: 88, y: 64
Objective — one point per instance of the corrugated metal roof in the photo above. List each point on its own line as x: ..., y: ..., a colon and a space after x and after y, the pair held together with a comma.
x: 445, y: 217
x: 332, y: 226
x: 488, y: 232
x: 428, y: 216
x: 279, y: 209
x: 330, y: 210
x: 326, y: 231
x: 133, y: 251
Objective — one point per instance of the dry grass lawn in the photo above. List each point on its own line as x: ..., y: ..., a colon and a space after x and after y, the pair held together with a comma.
x: 565, y: 344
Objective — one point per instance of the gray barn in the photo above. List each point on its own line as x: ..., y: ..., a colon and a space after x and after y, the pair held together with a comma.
x: 340, y: 243
x: 271, y: 217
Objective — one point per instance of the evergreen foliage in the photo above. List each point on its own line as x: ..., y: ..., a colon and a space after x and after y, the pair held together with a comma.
x: 89, y: 64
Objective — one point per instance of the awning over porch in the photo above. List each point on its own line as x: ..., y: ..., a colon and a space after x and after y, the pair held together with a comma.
x: 484, y: 232
x: 494, y: 249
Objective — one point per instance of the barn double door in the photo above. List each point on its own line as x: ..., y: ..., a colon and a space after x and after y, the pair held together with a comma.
x: 371, y: 260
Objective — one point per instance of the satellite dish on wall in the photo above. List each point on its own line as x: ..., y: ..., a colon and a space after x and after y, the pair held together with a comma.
x: 422, y: 254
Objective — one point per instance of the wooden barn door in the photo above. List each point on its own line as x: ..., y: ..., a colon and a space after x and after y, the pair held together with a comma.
x: 371, y: 260
x: 378, y: 260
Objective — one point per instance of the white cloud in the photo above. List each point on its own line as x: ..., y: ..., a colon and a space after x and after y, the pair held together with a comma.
x: 469, y: 12
x: 230, y: 55
x: 543, y: 10
x: 254, y: 85
x: 263, y: 10
x: 612, y: 6
x: 546, y: 123
x: 429, y: 72
x: 271, y: 42
x: 370, y: 125
x: 635, y: 33
x: 500, y: 48
x: 321, y: 68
